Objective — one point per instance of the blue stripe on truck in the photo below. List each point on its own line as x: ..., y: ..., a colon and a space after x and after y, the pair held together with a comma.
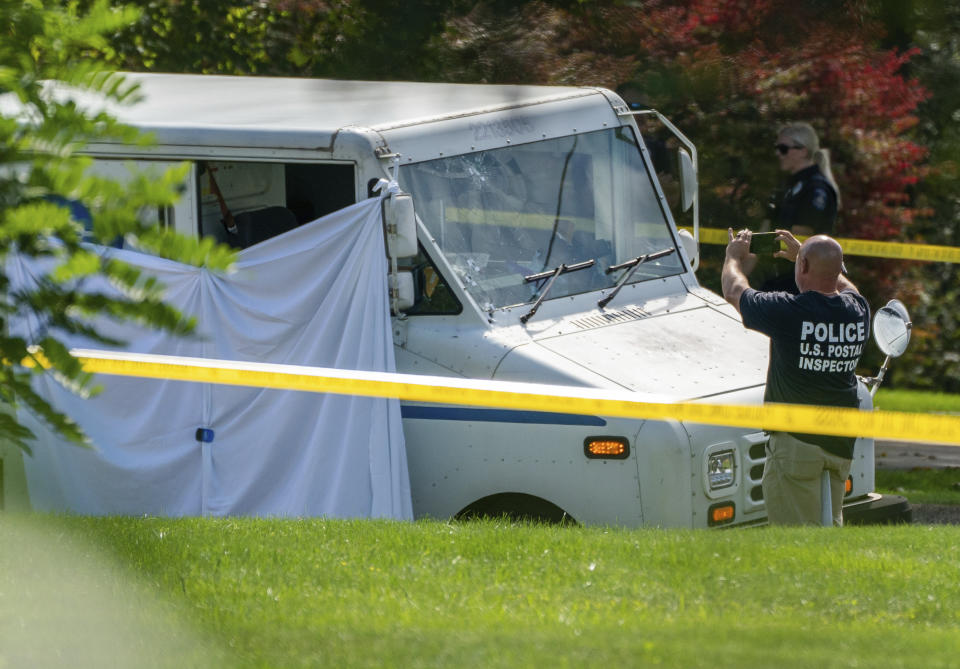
x: 474, y: 415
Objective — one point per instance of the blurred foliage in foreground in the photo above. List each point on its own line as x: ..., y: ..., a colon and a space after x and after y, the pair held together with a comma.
x: 50, y: 203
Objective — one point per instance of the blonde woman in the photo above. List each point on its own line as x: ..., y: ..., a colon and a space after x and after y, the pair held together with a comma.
x: 810, y: 202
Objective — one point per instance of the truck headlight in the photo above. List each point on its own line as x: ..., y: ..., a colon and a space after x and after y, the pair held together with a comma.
x: 721, y: 469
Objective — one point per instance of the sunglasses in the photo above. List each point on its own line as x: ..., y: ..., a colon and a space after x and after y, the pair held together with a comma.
x: 785, y: 148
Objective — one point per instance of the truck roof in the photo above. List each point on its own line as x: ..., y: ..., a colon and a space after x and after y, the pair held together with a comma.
x: 218, y: 110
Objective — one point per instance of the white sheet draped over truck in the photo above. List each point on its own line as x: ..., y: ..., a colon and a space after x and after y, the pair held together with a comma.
x: 314, y: 296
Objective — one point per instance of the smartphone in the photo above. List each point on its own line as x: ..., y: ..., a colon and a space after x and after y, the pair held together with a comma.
x: 764, y: 243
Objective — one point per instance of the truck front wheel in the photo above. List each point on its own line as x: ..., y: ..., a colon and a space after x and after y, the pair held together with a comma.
x: 516, y: 506
x: 878, y: 510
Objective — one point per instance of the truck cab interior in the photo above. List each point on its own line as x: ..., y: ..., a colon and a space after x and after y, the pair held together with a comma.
x: 244, y: 203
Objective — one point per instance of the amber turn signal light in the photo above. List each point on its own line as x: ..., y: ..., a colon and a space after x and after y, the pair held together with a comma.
x: 614, y: 448
x: 721, y: 514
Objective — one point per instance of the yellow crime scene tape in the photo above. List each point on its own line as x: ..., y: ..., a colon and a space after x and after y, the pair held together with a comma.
x: 864, y: 247
x: 930, y: 428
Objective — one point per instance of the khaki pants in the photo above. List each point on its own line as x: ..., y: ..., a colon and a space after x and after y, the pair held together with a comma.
x: 791, y: 481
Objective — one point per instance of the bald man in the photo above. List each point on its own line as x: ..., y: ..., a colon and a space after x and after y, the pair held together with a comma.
x: 816, y: 339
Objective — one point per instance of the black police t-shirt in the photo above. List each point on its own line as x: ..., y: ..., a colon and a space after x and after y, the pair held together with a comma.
x: 815, y: 344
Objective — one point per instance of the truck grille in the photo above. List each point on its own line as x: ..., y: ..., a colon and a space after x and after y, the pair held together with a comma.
x: 755, y: 457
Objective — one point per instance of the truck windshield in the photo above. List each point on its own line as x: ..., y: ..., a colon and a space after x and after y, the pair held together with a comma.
x: 507, y: 213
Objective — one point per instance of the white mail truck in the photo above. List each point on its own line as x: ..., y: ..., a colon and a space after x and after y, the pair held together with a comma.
x: 544, y: 248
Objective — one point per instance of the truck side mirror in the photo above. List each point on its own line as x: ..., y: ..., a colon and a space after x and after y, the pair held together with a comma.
x: 689, y: 244
x: 688, y: 180
x: 891, y: 328
x: 401, y: 225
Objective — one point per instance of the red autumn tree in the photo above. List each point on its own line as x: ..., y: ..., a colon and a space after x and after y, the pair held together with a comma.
x: 729, y: 72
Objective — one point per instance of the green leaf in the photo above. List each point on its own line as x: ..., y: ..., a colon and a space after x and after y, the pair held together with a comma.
x: 45, y: 178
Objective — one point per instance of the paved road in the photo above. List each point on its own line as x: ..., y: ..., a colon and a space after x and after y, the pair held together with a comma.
x: 900, y: 455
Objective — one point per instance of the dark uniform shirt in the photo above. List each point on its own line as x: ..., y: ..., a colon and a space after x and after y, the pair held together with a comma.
x: 808, y: 200
x: 815, y: 344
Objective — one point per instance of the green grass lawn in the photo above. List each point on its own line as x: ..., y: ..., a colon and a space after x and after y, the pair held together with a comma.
x: 288, y: 593
x: 921, y: 486
x: 156, y: 592
x: 917, y: 401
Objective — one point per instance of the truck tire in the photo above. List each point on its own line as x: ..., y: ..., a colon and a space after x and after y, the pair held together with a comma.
x: 881, y: 510
x: 516, y: 506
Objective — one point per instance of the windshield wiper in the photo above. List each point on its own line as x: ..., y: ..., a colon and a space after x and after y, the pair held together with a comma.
x: 552, y: 276
x: 633, y: 265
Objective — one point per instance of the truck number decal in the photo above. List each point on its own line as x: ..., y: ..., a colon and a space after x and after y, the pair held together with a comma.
x: 505, y: 128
